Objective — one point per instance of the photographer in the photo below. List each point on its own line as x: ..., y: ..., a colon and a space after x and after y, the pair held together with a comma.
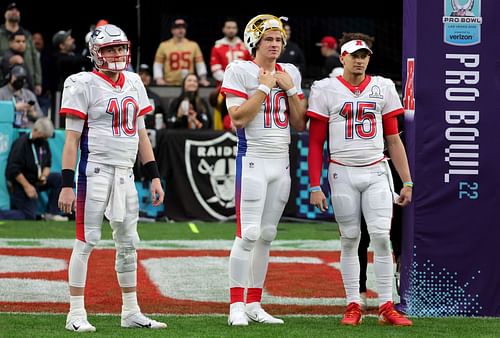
x: 26, y: 107
x: 189, y: 110
x: 28, y: 173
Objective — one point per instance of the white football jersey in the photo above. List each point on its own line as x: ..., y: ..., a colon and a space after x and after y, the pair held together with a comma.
x: 110, y: 134
x: 354, y: 115
x: 268, y: 134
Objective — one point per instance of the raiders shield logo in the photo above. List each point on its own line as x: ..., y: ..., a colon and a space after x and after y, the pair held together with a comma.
x: 211, y: 171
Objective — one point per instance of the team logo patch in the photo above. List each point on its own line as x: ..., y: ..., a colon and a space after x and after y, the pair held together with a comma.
x: 211, y: 171
x: 462, y: 22
x: 375, y: 93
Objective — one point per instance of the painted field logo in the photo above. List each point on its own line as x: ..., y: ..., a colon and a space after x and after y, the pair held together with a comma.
x: 210, y: 167
x: 462, y: 22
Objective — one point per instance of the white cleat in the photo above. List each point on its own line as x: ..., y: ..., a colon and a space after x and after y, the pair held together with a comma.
x: 138, y: 320
x: 257, y: 314
x: 237, y: 316
x: 79, y: 324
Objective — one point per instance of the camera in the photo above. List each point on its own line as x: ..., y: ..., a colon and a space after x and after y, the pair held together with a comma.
x: 31, y: 102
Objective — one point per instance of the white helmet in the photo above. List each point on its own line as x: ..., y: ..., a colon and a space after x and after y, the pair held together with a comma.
x: 104, y: 36
x: 260, y: 24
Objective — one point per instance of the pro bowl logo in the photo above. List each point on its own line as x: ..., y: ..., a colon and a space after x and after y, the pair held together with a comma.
x: 462, y: 22
x: 211, y: 170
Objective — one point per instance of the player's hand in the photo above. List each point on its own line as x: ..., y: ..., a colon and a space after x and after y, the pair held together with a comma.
x: 318, y: 199
x: 284, y: 80
x: 157, y: 193
x: 30, y: 191
x: 160, y: 82
x: 66, y: 201
x: 405, y: 196
x: 266, y: 78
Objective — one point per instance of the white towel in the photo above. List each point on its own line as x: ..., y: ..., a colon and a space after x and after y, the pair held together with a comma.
x: 115, y: 210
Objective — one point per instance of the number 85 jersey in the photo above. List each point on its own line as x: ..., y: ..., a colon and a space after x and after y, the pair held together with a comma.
x: 354, y: 115
x: 268, y: 134
x: 110, y: 111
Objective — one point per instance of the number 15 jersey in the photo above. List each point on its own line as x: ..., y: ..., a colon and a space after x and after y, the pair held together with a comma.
x: 354, y: 115
x: 110, y: 111
x: 268, y: 134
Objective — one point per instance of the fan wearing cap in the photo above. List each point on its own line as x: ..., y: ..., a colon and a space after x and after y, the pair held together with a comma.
x: 264, y: 100
x: 26, y: 105
x: 328, y: 46
x: 359, y: 112
x: 31, y: 59
x: 177, y: 57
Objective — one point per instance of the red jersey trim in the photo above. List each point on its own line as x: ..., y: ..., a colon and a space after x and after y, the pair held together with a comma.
x: 362, y: 86
x: 146, y: 110
x: 234, y: 92
x: 317, y: 116
x: 73, y: 112
x: 120, y: 82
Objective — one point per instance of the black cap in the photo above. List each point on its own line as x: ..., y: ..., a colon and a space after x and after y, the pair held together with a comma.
x: 144, y: 68
x: 18, y: 71
x: 12, y: 5
x: 59, y: 37
x: 179, y: 23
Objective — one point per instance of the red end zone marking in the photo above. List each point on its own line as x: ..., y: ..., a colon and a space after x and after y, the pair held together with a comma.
x: 103, y: 293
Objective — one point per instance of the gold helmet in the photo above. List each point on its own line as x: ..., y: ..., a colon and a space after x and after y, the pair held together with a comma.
x: 260, y: 24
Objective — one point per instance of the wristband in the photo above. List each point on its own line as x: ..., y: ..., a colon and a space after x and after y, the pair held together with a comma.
x: 292, y: 91
x: 151, y: 170
x: 408, y: 184
x: 263, y: 88
x: 67, y: 178
x: 315, y: 189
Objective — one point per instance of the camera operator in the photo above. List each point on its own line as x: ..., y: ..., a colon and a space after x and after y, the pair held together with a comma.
x: 27, y: 110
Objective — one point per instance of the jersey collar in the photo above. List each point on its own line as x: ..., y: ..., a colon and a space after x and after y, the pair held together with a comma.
x: 356, y: 90
x: 119, y: 83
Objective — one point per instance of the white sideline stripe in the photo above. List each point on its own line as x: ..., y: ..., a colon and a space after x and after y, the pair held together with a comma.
x: 309, y: 245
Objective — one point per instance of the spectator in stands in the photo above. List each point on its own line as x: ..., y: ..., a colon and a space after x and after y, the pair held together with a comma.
x: 48, y: 73
x: 67, y: 62
x: 177, y: 57
x: 28, y: 173
x: 329, y: 50
x: 190, y: 110
x: 154, y: 99
x: 15, y: 56
x: 27, y: 109
x: 11, y: 25
x: 293, y: 53
x: 225, y: 50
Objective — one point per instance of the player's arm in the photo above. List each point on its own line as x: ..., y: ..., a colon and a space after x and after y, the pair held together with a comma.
x: 317, y: 136
x: 242, y: 114
x: 70, y: 153
x: 398, y: 156
x: 147, y: 158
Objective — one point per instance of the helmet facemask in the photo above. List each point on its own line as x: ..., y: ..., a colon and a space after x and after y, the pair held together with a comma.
x: 107, y: 36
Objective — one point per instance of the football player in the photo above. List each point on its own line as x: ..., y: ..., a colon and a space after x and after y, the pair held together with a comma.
x: 263, y: 99
x: 358, y: 112
x: 104, y: 112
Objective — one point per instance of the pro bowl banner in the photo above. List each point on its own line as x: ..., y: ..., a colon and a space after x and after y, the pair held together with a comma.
x: 451, y: 236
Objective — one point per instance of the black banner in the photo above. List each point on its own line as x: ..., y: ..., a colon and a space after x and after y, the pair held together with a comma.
x: 199, y: 170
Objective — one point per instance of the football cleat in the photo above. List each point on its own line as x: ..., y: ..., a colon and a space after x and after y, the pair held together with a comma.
x: 387, y: 315
x: 138, y: 320
x: 237, y: 316
x: 352, y: 315
x: 257, y: 314
x: 79, y: 324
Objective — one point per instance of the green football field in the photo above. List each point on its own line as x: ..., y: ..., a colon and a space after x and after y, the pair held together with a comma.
x: 33, y: 324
